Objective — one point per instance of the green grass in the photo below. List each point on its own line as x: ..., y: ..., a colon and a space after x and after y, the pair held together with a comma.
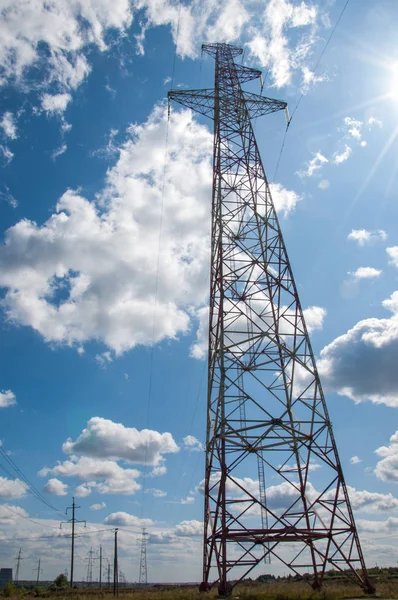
x: 276, y: 590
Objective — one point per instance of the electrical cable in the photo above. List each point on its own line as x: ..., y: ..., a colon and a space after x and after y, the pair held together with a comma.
x: 30, y: 485
x: 158, y: 257
x: 302, y: 93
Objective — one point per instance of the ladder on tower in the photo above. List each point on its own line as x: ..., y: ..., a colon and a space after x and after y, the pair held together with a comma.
x: 263, y: 501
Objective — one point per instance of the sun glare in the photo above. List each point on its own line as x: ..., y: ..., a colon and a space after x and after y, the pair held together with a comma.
x: 393, y: 91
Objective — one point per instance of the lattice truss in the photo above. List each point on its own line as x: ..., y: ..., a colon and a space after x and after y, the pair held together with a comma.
x: 268, y: 429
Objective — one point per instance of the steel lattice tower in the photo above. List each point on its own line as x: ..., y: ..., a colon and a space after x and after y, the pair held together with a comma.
x: 143, y: 578
x: 266, y: 415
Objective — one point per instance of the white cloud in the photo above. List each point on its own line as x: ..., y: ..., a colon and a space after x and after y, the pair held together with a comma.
x: 8, y: 125
x: 6, y: 195
x: 363, y: 236
x: 361, y: 364
x: 12, y: 488
x: 310, y: 79
x: 388, y: 526
x: 188, y: 500
x: 314, y: 316
x: 104, y: 254
x: 338, y: 158
x: 313, y: 165
x: 354, y: 130
x: 7, y: 398
x: 387, y: 468
x: 98, y: 506
x: 199, y: 348
x: 324, y: 184
x: 355, y: 460
x: 105, y: 476
x: 191, y: 443
x: 284, y: 200
x: 354, y: 127
x: 59, y: 151
x: 83, y: 490
x: 269, y: 43
x: 373, y: 121
x: 186, y: 528
x: 158, y: 471
x: 8, y: 513
x: 366, y: 273
x: 362, y: 500
x: 66, y: 29
x: 123, y: 519
x: 7, y: 155
x: 104, y: 358
x: 156, y: 493
x: 393, y: 254
x: 56, y: 487
x: 105, y: 439
x: 56, y: 103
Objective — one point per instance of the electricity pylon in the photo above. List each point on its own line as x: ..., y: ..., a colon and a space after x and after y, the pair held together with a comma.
x: 143, y: 576
x: 266, y: 412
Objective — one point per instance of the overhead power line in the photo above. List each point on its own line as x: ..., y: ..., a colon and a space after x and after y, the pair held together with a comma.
x: 302, y: 93
x: 32, y: 488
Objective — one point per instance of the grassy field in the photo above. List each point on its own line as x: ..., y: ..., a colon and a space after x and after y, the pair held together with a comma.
x: 294, y: 590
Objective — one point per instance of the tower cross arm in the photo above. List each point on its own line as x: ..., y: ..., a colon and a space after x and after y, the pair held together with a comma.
x: 261, y: 105
x: 201, y: 101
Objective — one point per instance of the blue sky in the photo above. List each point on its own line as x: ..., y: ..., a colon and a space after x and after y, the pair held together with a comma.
x: 103, y: 372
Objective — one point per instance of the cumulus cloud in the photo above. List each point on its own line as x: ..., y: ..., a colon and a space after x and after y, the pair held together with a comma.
x: 354, y: 460
x: 65, y: 29
x: 105, y: 476
x: 192, y: 444
x: 284, y: 200
x: 199, y: 347
x: 366, y: 273
x: 362, y: 500
x: 393, y: 254
x: 186, y: 528
x: 7, y: 398
x: 98, y: 506
x: 387, y: 468
x: 105, y: 439
x: 102, y: 255
x: 56, y: 487
x: 314, y: 316
x: 8, y: 125
x: 388, y: 526
x: 56, y: 103
x: 361, y: 363
x: 12, y: 488
x: 313, y: 165
x: 364, y: 237
x: 123, y: 519
x: 83, y: 490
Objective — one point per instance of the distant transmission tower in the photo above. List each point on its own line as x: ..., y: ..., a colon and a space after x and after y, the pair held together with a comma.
x: 143, y: 577
x: 266, y: 413
x: 90, y: 561
x: 18, y: 560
